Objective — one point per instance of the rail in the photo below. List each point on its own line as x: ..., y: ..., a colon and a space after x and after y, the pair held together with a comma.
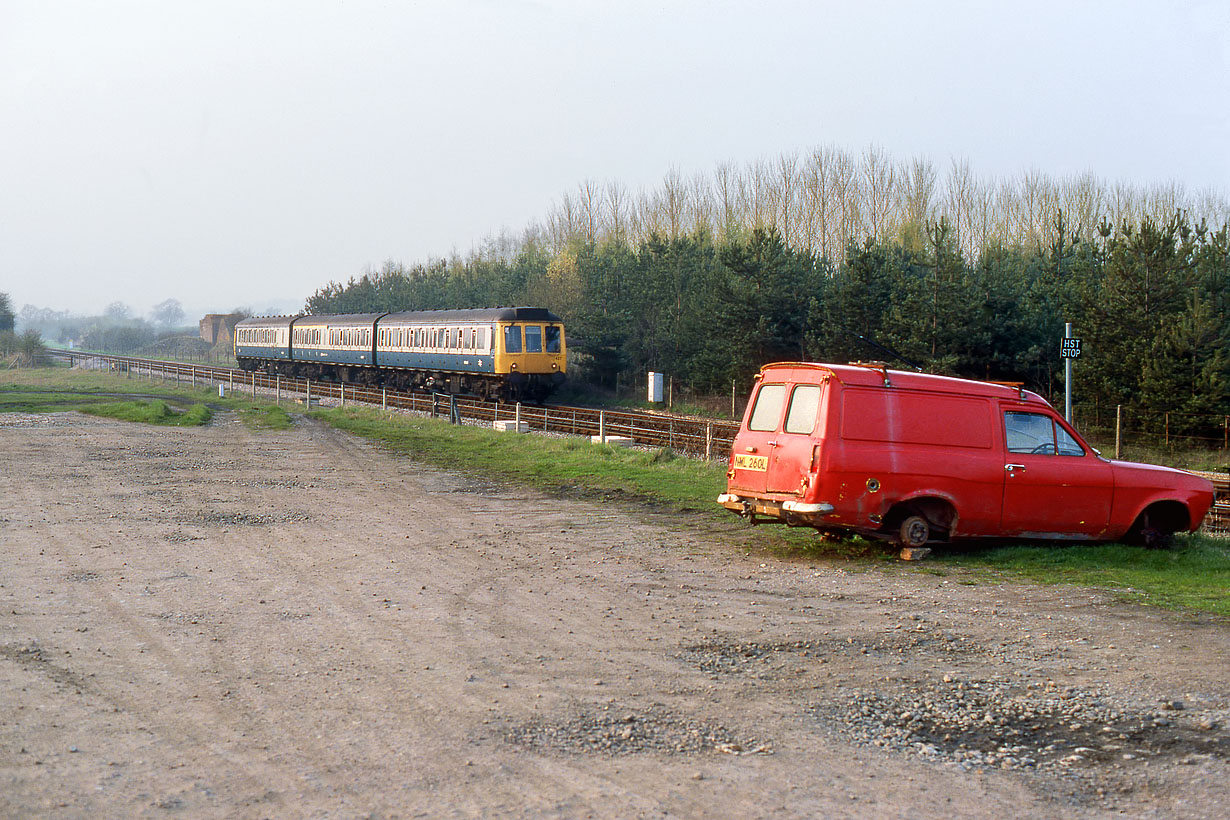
x: 688, y: 435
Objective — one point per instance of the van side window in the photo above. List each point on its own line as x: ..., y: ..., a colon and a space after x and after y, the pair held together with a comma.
x: 770, y: 400
x: 1038, y: 434
x: 804, y: 405
x: 1029, y: 433
x: 1067, y: 444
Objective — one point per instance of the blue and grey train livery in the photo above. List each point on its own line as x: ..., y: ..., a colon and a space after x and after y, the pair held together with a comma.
x: 508, y: 353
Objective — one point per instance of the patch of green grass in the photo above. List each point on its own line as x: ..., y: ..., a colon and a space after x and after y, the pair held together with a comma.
x: 266, y: 417
x: 566, y: 465
x: 151, y: 412
x: 1193, y: 574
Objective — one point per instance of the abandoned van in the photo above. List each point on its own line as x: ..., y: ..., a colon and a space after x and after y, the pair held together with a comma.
x: 919, y: 458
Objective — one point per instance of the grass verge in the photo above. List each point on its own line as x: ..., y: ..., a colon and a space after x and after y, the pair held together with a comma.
x: 155, y: 411
x: 570, y: 466
x: 1194, y: 575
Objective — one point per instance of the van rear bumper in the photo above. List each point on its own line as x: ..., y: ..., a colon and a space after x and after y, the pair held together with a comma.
x: 786, y: 510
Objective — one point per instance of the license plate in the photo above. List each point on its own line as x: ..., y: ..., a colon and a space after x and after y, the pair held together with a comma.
x: 758, y: 463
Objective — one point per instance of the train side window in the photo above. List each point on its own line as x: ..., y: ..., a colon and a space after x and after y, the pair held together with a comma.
x: 533, y: 338
x: 770, y: 400
x: 552, y: 343
x: 512, y: 339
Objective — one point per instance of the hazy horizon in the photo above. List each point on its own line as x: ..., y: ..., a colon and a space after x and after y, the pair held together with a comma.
x: 245, y: 155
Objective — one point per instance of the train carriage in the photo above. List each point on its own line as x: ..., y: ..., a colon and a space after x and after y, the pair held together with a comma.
x: 264, y: 338
x: 340, y: 339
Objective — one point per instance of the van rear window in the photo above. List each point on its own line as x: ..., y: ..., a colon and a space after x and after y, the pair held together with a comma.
x: 770, y: 400
x: 804, y: 406
x: 899, y: 416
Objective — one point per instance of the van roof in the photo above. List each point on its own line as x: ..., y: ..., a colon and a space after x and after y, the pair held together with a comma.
x: 879, y: 375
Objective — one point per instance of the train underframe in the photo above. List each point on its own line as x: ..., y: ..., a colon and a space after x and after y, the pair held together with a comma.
x: 486, y: 386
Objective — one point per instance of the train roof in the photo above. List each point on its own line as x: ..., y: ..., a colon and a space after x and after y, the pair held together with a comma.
x: 268, y: 321
x: 504, y: 314
x: 335, y: 319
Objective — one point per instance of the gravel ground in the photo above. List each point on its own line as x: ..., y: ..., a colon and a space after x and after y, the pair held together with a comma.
x: 218, y: 622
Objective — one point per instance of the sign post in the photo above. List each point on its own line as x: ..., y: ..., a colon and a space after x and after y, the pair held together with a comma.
x: 1069, y: 349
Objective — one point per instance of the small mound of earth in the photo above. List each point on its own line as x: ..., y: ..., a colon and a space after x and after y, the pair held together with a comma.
x: 608, y: 731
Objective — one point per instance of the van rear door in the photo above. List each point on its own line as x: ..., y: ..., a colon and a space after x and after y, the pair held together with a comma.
x: 791, y: 459
x: 755, y: 442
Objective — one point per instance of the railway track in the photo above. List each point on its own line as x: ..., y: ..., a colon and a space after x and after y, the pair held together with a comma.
x: 688, y: 435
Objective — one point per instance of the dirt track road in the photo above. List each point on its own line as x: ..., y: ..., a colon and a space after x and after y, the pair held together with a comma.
x: 221, y: 623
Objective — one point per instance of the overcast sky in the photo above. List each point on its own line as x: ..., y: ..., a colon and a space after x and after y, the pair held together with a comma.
x: 244, y: 154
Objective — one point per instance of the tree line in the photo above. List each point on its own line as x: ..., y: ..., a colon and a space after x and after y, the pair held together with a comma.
x: 1150, y: 299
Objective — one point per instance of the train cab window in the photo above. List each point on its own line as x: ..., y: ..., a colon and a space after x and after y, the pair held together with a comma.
x: 533, y: 338
x: 512, y: 339
x: 770, y: 400
x: 552, y: 343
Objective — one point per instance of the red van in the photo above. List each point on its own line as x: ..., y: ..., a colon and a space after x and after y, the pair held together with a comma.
x: 920, y: 458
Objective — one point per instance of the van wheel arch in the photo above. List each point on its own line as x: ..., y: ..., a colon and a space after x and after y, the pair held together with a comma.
x: 1156, y: 525
x: 905, y: 522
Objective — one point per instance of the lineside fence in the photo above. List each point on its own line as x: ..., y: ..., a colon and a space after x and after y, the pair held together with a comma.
x: 697, y: 437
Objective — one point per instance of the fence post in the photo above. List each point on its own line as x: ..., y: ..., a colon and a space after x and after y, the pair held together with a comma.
x: 602, y: 426
x: 708, y: 441
x: 307, y: 403
x: 253, y: 384
x: 517, y: 418
x: 384, y: 398
x: 1118, y: 428
x: 194, y: 378
x: 277, y: 390
x: 343, y: 389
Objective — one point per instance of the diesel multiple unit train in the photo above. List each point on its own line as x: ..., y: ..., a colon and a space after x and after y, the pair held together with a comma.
x: 512, y: 354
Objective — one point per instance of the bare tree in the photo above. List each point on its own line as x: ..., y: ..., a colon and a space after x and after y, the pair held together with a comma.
x: 879, y: 180
x: 786, y: 191
x: 589, y: 195
x: 168, y: 313
x: 617, y: 206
